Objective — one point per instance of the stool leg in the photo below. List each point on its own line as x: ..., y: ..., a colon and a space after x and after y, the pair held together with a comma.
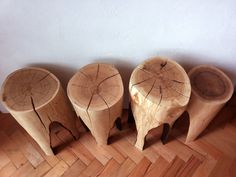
x: 141, y: 139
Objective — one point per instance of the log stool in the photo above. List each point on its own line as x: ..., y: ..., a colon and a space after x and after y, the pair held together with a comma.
x: 211, y: 89
x: 96, y: 92
x: 159, y: 90
x: 35, y: 99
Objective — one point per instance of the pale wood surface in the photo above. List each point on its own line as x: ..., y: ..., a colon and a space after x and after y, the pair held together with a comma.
x: 211, y: 155
x: 36, y: 99
x: 159, y: 90
x: 211, y: 89
x: 96, y: 92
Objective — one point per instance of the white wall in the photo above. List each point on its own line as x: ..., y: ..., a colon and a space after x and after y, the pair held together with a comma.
x: 64, y: 35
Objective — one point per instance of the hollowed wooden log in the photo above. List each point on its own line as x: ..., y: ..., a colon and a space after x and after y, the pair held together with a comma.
x: 211, y: 89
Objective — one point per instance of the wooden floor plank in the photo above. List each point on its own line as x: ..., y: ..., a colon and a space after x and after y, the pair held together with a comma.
x: 3, y: 159
x: 57, y: 170
x: 189, y: 167
x: 211, y: 155
x: 82, y: 152
x: 75, y: 170
x: 126, y: 167
x: 174, y: 167
x: 8, y: 170
x: 110, y: 169
x: 24, y: 170
x: 206, y: 167
x: 27, y: 148
x: 12, y: 150
x: 89, y: 142
x: 140, y: 168
x: 158, y: 168
x: 93, y: 169
x: 41, y: 169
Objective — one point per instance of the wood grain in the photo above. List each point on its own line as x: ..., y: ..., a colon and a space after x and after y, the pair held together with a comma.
x: 210, y: 155
x: 159, y: 90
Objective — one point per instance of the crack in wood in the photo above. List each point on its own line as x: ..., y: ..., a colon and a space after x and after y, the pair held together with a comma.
x: 107, y: 78
x: 44, y: 77
x: 85, y: 75
x: 141, y: 82
x: 37, y: 114
x: 109, y: 113
x: 88, y: 112
x: 160, y: 97
x: 163, y: 65
x: 82, y: 86
x: 150, y: 89
x: 144, y: 70
x: 179, y: 92
x: 97, y: 72
x: 179, y: 82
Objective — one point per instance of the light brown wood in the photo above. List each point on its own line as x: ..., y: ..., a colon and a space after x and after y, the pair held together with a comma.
x: 211, y: 89
x: 96, y: 92
x: 213, y: 155
x: 159, y: 90
x: 36, y: 99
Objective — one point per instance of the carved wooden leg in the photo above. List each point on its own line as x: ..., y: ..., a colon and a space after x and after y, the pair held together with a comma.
x: 140, y: 139
x: 159, y: 90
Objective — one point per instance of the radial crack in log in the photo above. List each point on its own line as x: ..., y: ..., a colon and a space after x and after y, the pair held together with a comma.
x: 37, y: 114
x: 88, y: 112
x: 141, y: 82
x: 163, y: 65
x: 179, y: 82
x: 44, y: 77
x: 109, y: 77
x: 109, y: 114
x: 97, y: 72
x: 160, y: 97
x: 82, y: 86
x: 144, y: 70
x: 150, y: 89
x: 179, y: 92
x: 85, y: 75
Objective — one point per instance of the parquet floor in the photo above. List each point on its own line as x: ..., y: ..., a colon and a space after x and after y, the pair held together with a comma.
x: 213, y: 154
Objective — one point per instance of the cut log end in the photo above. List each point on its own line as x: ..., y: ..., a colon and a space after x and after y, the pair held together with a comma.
x: 29, y: 88
x: 161, y: 80
x: 96, y: 87
x: 210, y: 83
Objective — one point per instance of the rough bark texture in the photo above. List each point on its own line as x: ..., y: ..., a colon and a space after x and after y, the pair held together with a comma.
x: 96, y: 92
x: 159, y: 90
x: 35, y: 98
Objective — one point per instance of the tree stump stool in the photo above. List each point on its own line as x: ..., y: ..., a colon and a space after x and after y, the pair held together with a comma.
x: 159, y: 90
x: 211, y: 89
x: 96, y: 92
x: 35, y: 99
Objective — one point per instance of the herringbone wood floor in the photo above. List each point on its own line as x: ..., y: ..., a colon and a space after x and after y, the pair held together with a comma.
x: 213, y: 154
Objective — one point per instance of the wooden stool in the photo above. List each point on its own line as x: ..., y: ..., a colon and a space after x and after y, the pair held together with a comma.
x: 35, y: 99
x: 211, y: 89
x: 159, y: 90
x: 96, y: 92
